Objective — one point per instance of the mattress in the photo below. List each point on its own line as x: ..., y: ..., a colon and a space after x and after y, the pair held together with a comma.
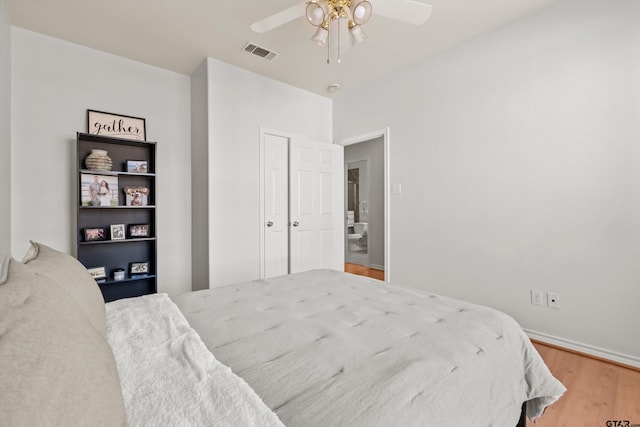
x: 326, y: 348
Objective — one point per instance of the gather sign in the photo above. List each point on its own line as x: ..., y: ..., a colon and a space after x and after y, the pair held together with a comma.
x: 108, y: 124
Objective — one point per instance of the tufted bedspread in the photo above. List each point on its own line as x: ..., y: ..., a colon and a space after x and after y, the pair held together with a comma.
x: 325, y: 348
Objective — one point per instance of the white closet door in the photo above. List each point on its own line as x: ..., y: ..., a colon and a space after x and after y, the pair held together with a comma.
x: 316, y: 199
x: 276, y: 205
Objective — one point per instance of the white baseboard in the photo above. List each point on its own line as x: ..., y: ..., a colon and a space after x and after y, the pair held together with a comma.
x: 377, y: 267
x: 603, y: 353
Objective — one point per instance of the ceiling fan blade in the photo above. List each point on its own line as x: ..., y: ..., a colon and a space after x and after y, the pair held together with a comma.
x: 280, y: 18
x: 409, y: 11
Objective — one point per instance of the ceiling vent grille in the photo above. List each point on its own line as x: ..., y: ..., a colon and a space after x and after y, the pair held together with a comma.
x: 261, y: 52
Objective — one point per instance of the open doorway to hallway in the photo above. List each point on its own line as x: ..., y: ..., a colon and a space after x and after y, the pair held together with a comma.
x: 358, y: 196
x: 365, y: 207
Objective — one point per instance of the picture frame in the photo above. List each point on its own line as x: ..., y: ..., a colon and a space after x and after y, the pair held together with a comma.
x: 118, y: 274
x: 95, y: 234
x: 97, y: 273
x: 98, y: 190
x: 137, y: 231
x: 138, y: 268
x: 136, y: 196
x: 137, y: 166
x: 117, y: 125
x: 117, y: 232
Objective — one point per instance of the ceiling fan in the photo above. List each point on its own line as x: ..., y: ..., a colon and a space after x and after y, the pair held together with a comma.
x: 327, y: 14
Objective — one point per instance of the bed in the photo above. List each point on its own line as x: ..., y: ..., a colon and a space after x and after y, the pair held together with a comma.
x: 320, y: 348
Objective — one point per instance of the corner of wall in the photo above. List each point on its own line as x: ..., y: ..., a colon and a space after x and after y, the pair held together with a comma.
x: 200, y: 178
x: 5, y: 130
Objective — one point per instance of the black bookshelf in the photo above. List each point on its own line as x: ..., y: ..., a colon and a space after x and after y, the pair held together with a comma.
x: 114, y: 254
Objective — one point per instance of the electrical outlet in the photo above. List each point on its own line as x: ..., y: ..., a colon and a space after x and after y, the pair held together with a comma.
x: 553, y: 300
x: 536, y: 297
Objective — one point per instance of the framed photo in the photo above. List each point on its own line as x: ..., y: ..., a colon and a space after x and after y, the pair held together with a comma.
x: 97, y: 273
x: 92, y: 234
x: 98, y: 190
x: 136, y: 196
x: 139, y: 230
x: 137, y: 268
x: 118, y: 274
x: 117, y: 232
x: 137, y: 166
x: 118, y: 125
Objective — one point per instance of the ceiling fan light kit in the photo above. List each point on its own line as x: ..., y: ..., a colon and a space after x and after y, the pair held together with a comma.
x: 332, y: 16
x: 321, y: 13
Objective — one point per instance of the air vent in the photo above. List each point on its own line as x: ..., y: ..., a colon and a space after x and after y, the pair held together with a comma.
x: 261, y: 52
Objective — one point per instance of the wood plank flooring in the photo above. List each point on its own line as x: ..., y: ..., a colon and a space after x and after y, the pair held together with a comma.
x: 597, y: 391
x: 363, y: 271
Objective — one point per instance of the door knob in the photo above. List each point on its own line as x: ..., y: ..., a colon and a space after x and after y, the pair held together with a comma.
x: 270, y: 224
x: 296, y: 223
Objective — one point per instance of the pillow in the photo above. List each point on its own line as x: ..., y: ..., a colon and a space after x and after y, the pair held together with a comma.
x: 69, y: 274
x: 4, y: 269
x: 56, y: 368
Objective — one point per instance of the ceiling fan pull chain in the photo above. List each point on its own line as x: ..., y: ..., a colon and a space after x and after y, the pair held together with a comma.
x: 338, y: 25
x: 329, y: 48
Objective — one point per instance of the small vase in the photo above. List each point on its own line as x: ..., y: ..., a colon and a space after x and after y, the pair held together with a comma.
x: 98, y: 160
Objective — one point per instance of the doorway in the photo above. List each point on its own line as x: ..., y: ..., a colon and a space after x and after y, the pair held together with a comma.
x: 357, y: 206
x: 367, y: 204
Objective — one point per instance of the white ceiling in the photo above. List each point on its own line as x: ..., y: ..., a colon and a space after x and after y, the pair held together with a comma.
x: 178, y: 34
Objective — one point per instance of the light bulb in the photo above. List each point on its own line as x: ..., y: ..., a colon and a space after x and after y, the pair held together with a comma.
x: 315, y: 14
x: 318, y: 14
x: 360, y: 12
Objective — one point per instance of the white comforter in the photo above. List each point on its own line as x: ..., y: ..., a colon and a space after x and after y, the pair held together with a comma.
x: 168, y: 376
x: 324, y: 348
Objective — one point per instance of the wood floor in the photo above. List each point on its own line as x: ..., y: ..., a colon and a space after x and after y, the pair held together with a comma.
x: 363, y: 271
x: 596, y: 392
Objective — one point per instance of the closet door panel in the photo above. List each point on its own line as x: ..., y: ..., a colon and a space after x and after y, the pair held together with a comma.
x: 276, y: 206
x: 316, y: 201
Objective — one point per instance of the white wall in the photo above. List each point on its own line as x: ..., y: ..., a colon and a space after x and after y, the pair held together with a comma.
x: 519, y: 156
x: 240, y: 102
x: 54, y: 83
x: 5, y: 132
x: 374, y: 151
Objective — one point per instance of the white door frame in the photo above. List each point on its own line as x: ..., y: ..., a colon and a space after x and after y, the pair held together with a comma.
x: 385, y: 134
